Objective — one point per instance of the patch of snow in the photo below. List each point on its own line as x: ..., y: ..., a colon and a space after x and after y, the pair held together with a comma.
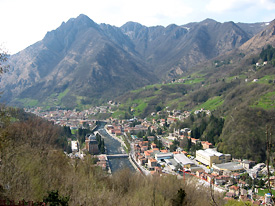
x: 266, y: 24
x: 186, y: 28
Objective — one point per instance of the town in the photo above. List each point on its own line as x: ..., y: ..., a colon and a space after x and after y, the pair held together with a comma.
x: 153, y: 149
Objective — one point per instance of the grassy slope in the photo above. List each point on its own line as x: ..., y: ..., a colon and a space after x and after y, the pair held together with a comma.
x: 229, y: 91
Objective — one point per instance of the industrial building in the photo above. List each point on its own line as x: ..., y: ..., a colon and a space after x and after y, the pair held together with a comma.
x: 229, y: 167
x: 184, y: 161
x: 210, y: 156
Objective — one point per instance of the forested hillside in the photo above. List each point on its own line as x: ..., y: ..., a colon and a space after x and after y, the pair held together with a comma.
x: 82, y: 63
x: 34, y: 168
x: 237, y: 87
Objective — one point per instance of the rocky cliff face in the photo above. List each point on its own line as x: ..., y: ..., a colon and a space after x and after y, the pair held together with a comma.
x: 176, y: 48
x: 263, y: 38
x: 81, y: 61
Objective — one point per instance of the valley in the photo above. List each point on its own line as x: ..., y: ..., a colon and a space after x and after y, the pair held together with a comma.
x: 194, y: 101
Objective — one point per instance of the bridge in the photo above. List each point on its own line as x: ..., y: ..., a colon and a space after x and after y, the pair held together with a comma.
x: 111, y: 156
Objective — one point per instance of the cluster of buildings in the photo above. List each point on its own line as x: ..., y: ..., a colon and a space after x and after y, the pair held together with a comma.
x: 208, y: 164
x: 173, y: 116
x: 71, y: 118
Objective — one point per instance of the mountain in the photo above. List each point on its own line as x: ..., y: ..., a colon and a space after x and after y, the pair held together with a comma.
x: 76, y: 62
x: 253, y: 28
x: 82, y: 63
x: 175, y: 48
x: 263, y: 38
x: 232, y: 86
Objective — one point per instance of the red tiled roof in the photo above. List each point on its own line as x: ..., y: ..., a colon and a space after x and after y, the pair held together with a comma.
x: 233, y: 187
x: 147, y: 153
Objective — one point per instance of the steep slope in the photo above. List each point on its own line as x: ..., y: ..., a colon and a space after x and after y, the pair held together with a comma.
x: 263, y: 38
x: 79, y: 59
x: 82, y: 62
x: 231, y: 86
x: 175, y: 48
x: 253, y: 28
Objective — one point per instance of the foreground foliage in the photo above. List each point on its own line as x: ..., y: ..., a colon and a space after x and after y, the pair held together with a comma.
x: 33, y: 163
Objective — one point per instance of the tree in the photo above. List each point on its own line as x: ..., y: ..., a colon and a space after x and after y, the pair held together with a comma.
x: 102, y: 147
x: 3, y: 59
x: 192, y: 118
x: 158, y: 108
x: 54, y: 199
x: 159, y: 144
x: 140, y: 134
x: 179, y: 199
x: 159, y: 131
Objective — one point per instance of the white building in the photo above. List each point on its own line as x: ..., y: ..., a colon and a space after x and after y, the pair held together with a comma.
x: 183, y: 160
x: 163, y: 156
x: 74, y: 146
x: 210, y: 156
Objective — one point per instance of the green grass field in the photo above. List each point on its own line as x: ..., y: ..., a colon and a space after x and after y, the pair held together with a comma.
x: 211, y: 104
x: 229, y: 79
x: 63, y: 94
x: 140, y: 108
x: 27, y: 102
x: 74, y: 131
x: 146, y: 88
x: 264, y: 191
x: 118, y: 114
x: 266, y: 79
x: 194, y: 81
x: 267, y: 101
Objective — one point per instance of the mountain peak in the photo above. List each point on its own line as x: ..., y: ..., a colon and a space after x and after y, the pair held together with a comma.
x: 131, y: 26
x: 209, y: 21
x: 83, y: 19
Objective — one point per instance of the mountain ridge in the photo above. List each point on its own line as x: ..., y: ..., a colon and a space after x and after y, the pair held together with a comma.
x: 99, y: 61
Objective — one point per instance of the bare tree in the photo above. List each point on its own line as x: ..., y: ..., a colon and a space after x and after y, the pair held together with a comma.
x: 3, y: 59
x: 212, y: 181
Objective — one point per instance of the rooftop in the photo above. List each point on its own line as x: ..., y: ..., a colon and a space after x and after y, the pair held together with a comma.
x: 210, y: 153
x: 232, y: 166
x: 181, y: 158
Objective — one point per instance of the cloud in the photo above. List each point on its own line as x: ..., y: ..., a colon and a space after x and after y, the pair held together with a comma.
x: 267, y: 4
x: 25, y: 22
x: 218, y: 6
x: 146, y: 12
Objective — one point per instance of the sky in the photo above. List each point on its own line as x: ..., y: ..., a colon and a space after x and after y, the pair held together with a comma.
x: 25, y: 22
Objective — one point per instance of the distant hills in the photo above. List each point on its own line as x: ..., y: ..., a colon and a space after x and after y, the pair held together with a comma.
x: 82, y: 63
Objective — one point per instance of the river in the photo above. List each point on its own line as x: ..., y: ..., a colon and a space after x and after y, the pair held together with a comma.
x: 114, y: 147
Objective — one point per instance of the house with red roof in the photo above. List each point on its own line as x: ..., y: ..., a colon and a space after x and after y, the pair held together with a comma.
x: 152, y: 162
x: 235, y: 190
x: 206, y: 145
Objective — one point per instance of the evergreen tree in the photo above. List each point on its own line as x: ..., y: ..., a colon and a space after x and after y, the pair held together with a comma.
x: 53, y: 199
x: 179, y: 199
x: 159, y: 131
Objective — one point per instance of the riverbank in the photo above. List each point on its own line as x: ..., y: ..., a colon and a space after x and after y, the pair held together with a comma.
x: 135, y: 165
x: 123, y: 145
